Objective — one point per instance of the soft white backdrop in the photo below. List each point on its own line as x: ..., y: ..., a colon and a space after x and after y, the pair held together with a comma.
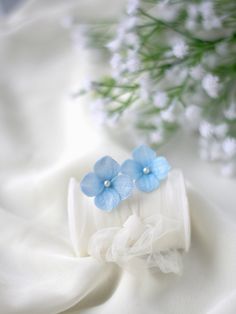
x: 44, y: 137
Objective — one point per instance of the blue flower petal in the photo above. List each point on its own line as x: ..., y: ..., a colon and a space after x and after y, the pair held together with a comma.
x: 160, y: 167
x: 106, y: 168
x: 108, y: 199
x: 144, y: 155
x: 91, y: 185
x: 147, y: 183
x: 132, y: 168
x: 123, y: 185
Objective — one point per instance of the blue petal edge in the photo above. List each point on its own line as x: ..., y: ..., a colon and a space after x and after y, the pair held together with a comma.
x: 144, y: 155
x: 160, y: 167
x: 106, y: 168
x: 107, y: 200
x: 91, y: 185
x: 147, y: 183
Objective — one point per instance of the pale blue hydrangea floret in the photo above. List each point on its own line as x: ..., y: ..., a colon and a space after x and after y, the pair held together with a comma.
x: 146, y: 169
x: 106, y: 185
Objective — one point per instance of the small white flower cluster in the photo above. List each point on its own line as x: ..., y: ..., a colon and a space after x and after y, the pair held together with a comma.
x: 132, y: 7
x: 230, y: 112
x: 78, y: 32
x: 210, y: 19
x: 180, y: 49
x: 166, y: 10
x: 172, y: 65
x: 169, y: 114
x: 215, y: 150
x: 202, y: 15
x: 160, y: 99
x: 125, y: 45
x: 193, y: 115
x: 197, y: 72
x: 99, y: 114
x: 211, y: 85
x: 215, y: 145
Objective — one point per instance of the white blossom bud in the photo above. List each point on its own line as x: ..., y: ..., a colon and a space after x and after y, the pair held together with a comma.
x: 180, y: 49
x: 166, y: 11
x: 160, y: 100
x: 230, y: 112
x: 114, y: 45
x: 206, y: 129
x: 132, y: 40
x: 156, y: 137
x: 193, y: 11
x: 191, y: 24
x: 193, y: 116
x: 132, y: 7
x: 211, y: 85
x: 115, y: 61
x: 168, y: 115
x: 222, y: 49
x: 197, y: 72
x: 129, y: 23
x: 132, y: 63
x: 206, y: 9
x: 229, y: 147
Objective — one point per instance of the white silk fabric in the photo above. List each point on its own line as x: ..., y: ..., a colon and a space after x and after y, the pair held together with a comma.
x: 42, y: 270
x: 44, y: 141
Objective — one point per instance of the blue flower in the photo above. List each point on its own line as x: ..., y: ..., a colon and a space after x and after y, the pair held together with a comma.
x: 106, y: 185
x: 146, y: 169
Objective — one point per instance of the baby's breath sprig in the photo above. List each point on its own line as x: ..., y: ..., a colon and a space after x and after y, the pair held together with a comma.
x: 173, y: 65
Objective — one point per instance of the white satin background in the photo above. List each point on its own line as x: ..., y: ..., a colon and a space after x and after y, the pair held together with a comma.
x: 44, y: 140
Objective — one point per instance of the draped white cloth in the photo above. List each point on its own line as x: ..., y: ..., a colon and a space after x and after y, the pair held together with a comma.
x: 44, y: 141
x: 42, y: 273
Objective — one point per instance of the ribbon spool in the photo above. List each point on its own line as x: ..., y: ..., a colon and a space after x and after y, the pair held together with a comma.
x: 153, y: 227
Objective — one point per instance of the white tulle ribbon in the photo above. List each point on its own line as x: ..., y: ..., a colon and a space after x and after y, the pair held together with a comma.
x: 136, y: 239
x: 153, y: 228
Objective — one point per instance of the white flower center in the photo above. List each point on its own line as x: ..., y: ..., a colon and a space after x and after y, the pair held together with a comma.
x: 107, y: 183
x: 146, y: 170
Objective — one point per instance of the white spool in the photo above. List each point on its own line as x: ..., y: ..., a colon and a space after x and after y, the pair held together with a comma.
x: 152, y: 227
